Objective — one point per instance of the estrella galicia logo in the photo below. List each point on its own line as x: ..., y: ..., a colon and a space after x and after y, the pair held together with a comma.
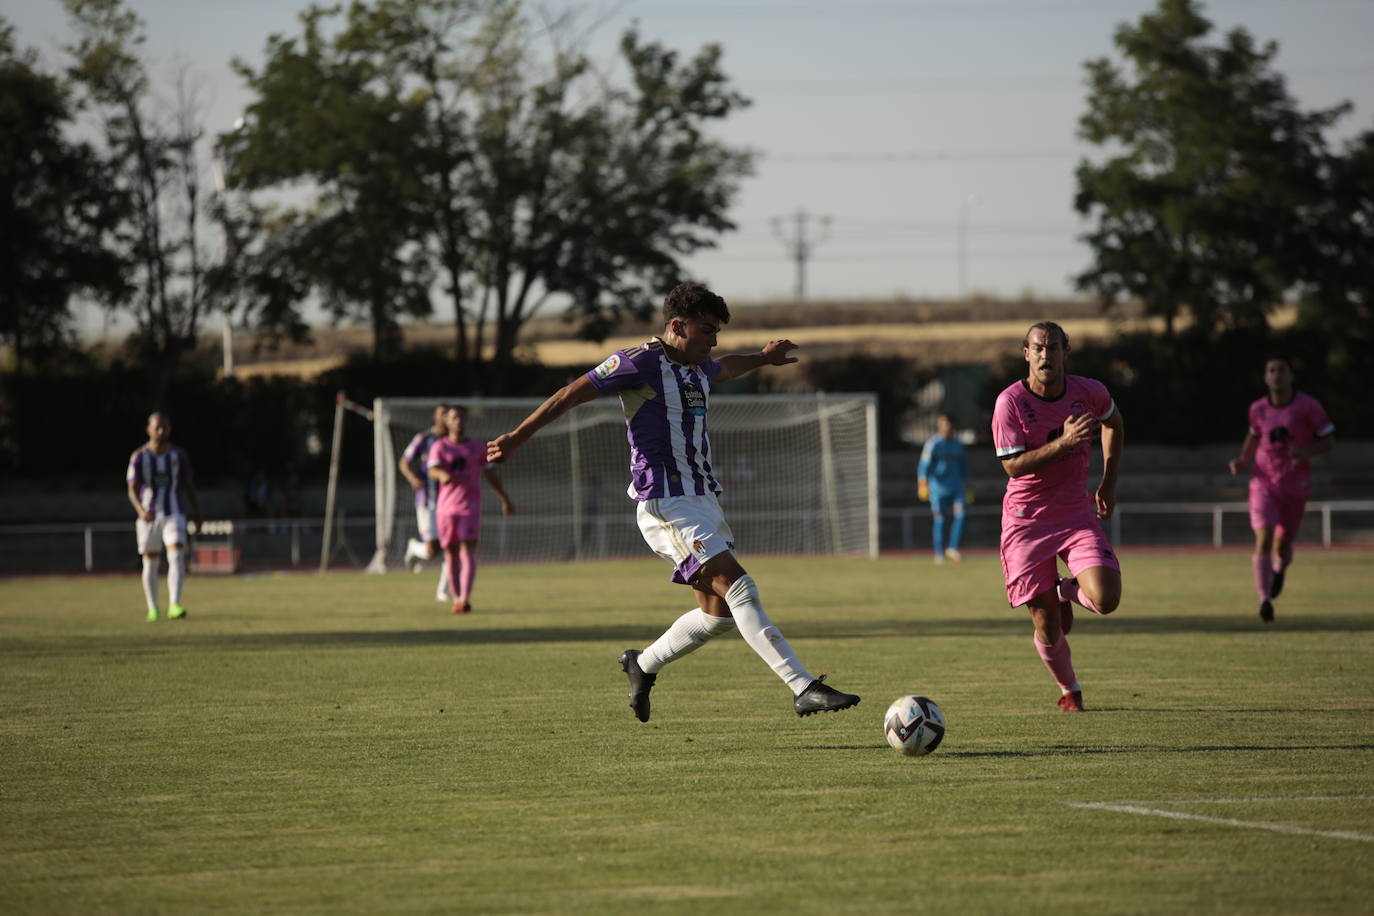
x: 693, y: 398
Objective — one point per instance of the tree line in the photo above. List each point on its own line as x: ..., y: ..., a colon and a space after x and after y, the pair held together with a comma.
x: 400, y: 159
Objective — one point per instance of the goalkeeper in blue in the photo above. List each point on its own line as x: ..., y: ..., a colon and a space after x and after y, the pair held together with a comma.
x: 941, y: 478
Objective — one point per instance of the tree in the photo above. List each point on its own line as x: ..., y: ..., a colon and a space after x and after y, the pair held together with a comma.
x: 330, y: 115
x: 154, y: 161
x: 521, y: 178
x: 1207, y: 204
x: 56, y: 206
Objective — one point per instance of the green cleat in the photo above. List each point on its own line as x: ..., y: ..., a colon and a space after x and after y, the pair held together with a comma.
x: 152, y: 614
x: 176, y: 612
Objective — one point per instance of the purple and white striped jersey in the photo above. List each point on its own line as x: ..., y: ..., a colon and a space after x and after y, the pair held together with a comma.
x: 665, y: 419
x: 158, y: 478
x: 417, y: 456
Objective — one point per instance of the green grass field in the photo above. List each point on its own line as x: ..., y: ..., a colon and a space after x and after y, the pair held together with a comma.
x: 341, y: 744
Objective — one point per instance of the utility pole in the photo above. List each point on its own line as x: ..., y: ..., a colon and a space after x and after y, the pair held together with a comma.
x: 799, y: 242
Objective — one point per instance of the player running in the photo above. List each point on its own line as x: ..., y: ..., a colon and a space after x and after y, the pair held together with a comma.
x: 412, y: 465
x: 1042, y: 428
x: 941, y: 478
x: 1287, y: 428
x: 663, y: 387
x: 160, y: 485
x: 458, y: 465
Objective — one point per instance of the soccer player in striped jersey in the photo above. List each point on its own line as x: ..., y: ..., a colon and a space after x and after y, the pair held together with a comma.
x: 1287, y: 428
x: 413, y: 467
x: 161, y: 487
x: 1042, y: 428
x: 664, y: 387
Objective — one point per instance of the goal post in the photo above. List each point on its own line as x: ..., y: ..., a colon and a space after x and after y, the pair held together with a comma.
x: 798, y: 475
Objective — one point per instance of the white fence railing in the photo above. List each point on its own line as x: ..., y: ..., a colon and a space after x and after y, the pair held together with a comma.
x: 297, y: 542
x: 913, y: 523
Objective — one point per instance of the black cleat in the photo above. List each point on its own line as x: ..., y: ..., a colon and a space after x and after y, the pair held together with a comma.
x: 1266, y: 611
x: 1276, y: 586
x: 817, y: 697
x: 640, y: 683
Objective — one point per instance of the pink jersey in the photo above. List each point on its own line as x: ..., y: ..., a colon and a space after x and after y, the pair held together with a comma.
x: 462, y: 495
x: 1022, y: 422
x: 1300, y: 422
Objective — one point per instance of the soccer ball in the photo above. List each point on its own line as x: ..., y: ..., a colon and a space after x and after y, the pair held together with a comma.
x: 914, y: 725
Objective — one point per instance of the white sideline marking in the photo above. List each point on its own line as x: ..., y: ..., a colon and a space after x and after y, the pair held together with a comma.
x: 1231, y: 822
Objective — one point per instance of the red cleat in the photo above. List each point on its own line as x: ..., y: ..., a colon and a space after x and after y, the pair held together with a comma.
x: 1071, y: 701
x: 460, y: 607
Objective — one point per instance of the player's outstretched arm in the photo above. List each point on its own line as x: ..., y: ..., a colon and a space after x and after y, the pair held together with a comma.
x: 579, y: 391
x: 775, y: 353
x: 1113, y: 444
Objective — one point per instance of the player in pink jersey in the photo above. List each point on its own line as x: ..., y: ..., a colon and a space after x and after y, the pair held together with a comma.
x: 459, y: 464
x: 1042, y: 428
x: 1287, y: 428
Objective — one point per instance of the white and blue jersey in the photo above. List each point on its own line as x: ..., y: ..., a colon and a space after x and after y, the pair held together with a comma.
x: 158, y: 479
x: 416, y: 456
x: 665, y: 407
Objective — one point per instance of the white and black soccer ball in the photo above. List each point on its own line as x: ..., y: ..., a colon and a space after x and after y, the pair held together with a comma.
x: 914, y: 725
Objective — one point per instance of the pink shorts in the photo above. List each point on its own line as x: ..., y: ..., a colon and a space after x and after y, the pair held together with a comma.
x: 1030, y: 554
x: 1271, y: 508
x: 454, y: 529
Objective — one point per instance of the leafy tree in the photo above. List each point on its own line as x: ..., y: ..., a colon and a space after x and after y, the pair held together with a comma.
x: 332, y: 116
x: 1216, y: 180
x: 518, y: 178
x: 1338, y: 287
x: 153, y: 154
x: 55, y: 205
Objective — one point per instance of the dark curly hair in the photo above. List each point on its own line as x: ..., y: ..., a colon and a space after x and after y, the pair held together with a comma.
x: 694, y: 301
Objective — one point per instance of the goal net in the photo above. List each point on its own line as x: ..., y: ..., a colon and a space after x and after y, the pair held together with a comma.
x: 798, y: 475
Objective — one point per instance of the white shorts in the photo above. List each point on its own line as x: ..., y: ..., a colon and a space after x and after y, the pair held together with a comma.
x: 426, y: 524
x: 686, y: 531
x: 163, y: 529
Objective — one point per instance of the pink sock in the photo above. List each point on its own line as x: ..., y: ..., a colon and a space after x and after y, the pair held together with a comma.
x: 1057, y: 658
x: 467, y: 571
x: 448, y: 573
x: 1264, y: 575
x: 1069, y: 591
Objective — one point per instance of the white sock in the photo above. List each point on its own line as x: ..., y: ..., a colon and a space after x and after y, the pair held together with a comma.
x: 688, y: 633
x: 443, y: 592
x: 176, y: 575
x: 150, y: 580
x: 764, y: 638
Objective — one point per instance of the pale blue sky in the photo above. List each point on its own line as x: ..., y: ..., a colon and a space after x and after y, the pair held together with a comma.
x: 897, y: 120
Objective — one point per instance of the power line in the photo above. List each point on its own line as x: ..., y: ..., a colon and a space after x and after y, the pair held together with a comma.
x: 866, y: 158
x: 800, y: 243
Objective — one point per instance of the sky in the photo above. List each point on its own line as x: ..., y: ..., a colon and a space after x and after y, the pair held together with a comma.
x: 921, y: 149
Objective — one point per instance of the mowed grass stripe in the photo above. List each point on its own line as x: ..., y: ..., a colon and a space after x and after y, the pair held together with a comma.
x: 342, y: 744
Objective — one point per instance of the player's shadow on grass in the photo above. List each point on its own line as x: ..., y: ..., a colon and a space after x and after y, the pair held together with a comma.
x: 621, y: 635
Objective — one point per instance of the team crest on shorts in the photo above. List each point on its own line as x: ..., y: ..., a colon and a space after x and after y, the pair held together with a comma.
x: 607, y: 369
x: 697, y: 547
